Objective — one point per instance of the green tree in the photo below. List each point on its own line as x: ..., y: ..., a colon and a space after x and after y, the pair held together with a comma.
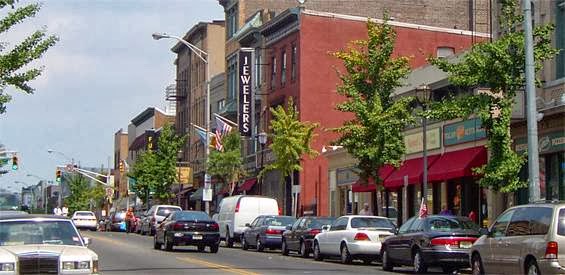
x: 375, y: 135
x: 82, y: 193
x: 14, y: 63
x: 291, y: 140
x: 499, y: 65
x: 145, y: 174
x: 227, y: 165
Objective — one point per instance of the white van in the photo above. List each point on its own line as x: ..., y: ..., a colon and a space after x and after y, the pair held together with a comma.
x: 236, y: 211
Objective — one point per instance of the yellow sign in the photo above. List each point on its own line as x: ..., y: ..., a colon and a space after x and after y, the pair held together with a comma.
x: 414, y: 142
x: 184, y: 175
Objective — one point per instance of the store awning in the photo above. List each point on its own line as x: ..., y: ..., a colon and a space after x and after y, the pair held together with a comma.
x: 457, y: 164
x: 370, y: 186
x: 247, y: 185
x: 197, y: 195
x: 413, y: 168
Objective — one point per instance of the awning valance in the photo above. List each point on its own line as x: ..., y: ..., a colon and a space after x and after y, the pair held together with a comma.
x: 457, y: 164
x: 247, y: 185
x: 370, y: 186
x: 413, y: 168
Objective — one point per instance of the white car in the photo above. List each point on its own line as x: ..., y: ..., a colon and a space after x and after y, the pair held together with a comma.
x: 41, y: 244
x: 85, y: 219
x: 353, y: 237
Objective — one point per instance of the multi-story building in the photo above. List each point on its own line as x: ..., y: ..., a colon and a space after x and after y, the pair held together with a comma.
x: 120, y: 156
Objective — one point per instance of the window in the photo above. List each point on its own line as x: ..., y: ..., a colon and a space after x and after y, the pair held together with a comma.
x: 258, y: 79
x: 283, y: 68
x: 293, y: 63
x: 231, y: 21
x: 298, y: 224
x: 499, y: 227
x: 450, y: 224
x: 445, y: 51
x: 561, y: 225
x: 404, y: 228
x: 560, y: 38
x: 221, y: 104
x: 530, y: 221
x: 232, y: 77
x: 417, y: 225
x: 191, y: 216
x: 380, y: 223
x: 273, y: 72
x: 340, y: 224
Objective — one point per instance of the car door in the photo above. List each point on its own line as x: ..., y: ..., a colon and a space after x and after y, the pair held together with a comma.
x: 393, y: 244
x: 410, y: 238
x: 248, y: 232
x: 494, y: 243
x: 333, y: 237
x: 160, y: 230
x: 292, y: 237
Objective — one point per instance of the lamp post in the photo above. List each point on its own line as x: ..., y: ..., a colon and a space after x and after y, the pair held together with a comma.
x: 262, y: 141
x: 423, y: 94
x: 204, y: 57
x: 51, y: 151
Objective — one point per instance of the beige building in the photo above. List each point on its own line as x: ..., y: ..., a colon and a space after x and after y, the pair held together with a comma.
x: 120, y: 155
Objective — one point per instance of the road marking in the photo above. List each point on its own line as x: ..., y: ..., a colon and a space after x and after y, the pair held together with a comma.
x: 227, y: 268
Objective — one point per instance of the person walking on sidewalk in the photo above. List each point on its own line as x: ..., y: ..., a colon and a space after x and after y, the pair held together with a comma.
x: 130, y: 219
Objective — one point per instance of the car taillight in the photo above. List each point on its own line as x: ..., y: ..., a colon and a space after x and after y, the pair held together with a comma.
x: 551, y: 250
x: 313, y: 232
x: 361, y: 237
x: 237, y: 207
x: 215, y: 227
x: 280, y: 212
x: 454, y: 241
x: 271, y: 231
x: 178, y: 226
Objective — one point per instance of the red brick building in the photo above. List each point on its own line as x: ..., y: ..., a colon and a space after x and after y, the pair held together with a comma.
x: 298, y: 43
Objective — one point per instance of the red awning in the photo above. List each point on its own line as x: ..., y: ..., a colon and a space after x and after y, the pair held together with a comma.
x: 411, y: 168
x: 384, y: 172
x: 247, y: 185
x: 457, y: 164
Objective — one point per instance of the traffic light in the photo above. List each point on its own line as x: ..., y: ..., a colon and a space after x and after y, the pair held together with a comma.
x: 14, y: 163
x: 58, y: 175
x: 121, y: 166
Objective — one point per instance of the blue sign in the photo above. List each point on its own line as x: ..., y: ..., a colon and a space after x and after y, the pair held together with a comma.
x: 464, y: 131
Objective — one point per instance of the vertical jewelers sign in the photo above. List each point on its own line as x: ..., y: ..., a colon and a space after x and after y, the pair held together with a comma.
x: 245, y: 92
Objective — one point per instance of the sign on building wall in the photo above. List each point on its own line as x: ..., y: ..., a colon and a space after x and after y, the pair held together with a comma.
x: 464, y: 131
x: 185, y: 175
x: 414, y: 143
x: 245, y: 92
x: 151, y: 144
x: 548, y: 143
x: 347, y: 175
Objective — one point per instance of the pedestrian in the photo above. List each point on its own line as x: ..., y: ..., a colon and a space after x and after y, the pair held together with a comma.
x: 130, y: 219
x: 445, y: 211
x: 57, y: 211
x: 473, y: 216
x: 65, y: 211
x: 366, y: 211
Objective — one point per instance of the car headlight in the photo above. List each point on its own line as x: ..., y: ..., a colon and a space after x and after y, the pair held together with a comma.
x: 7, y: 266
x: 76, y: 265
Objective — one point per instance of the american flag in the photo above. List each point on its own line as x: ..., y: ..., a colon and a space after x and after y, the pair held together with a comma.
x: 222, y: 129
x: 423, y: 210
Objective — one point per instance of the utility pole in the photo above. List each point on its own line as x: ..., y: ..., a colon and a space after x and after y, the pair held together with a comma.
x: 533, y: 153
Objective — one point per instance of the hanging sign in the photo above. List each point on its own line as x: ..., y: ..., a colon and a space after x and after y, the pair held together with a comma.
x: 245, y: 92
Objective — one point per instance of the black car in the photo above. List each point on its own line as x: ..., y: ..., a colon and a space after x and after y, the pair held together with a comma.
x: 443, y: 241
x: 265, y: 232
x: 187, y: 228
x: 299, y: 236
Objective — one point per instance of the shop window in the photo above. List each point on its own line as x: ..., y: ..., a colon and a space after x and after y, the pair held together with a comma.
x: 283, y: 68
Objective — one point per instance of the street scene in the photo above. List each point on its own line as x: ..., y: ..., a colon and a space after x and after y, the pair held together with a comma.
x: 282, y: 137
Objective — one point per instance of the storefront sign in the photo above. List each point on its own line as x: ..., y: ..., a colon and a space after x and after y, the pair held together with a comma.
x: 415, y: 142
x: 464, y: 131
x: 346, y: 175
x: 548, y: 143
x: 245, y: 93
x: 185, y: 175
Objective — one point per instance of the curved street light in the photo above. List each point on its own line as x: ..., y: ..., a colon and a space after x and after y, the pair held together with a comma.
x: 51, y: 151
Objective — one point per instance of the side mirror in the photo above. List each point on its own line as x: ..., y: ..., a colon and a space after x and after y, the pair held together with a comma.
x: 87, y: 241
x: 326, y: 227
x: 484, y: 231
x: 247, y: 225
x: 289, y: 227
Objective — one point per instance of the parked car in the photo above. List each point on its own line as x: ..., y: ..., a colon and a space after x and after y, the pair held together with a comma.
x: 116, y: 221
x: 236, y: 211
x: 353, y: 237
x: 300, y: 236
x: 187, y: 228
x: 43, y: 244
x: 435, y: 240
x: 154, y: 216
x: 265, y: 232
x: 85, y: 219
x: 526, y: 239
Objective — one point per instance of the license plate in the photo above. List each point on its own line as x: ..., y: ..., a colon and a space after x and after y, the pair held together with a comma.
x: 197, y: 237
x: 465, y: 244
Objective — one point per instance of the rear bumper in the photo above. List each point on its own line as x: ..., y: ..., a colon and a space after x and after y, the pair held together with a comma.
x: 364, y: 248
x: 272, y: 241
x: 550, y: 267
x: 188, y: 238
x: 446, y: 257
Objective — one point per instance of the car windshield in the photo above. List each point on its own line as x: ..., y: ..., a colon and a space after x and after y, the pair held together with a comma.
x: 447, y: 224
x: 38, y: 232
x: 164, y: 211
x: 279, y: 221
x: 371, y: 223
x: 84, y: 214
x: 318, y: 223
x: 191, y: 216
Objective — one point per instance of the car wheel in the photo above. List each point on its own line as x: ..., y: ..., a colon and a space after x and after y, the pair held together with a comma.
x: 345, y: 256
x: 532, y: 268
x: 418, y: 263
x: 387, y: 262
x: 214, y: 248
x: 156, y: 244
x: 304, y: 253
x: 317, y: 254
x: 168, y: 244
x: 284, y: 248
x: 260, y: 247
x: 244, y: 244
x: 201, y: 248
x: 477, y: 265
x: 229, y: 240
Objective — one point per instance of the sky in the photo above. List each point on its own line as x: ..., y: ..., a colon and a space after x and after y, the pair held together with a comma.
x: 105, y: 70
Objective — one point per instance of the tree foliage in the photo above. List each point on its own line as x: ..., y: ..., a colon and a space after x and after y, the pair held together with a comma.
x: 375, y: 136
x: 227, y: 165
x: 499, y: 65
x: 83, y: 194
x: 14, y: 63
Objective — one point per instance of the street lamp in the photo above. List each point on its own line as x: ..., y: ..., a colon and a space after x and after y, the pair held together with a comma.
x: 423, y: 96
x: 51, y: 151
x: 204, y: 57
x: 262, y: 141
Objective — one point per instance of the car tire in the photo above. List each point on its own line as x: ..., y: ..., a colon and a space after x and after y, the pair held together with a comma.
x: 386, y: 261
x: 284, y: 248
x: 532, y: 268
x: 156, y: 244
x: 201, y: 248
x: 214, y: 248
x: 304, y: 253
x: 229, y: 240
x: 418, y: 263
x: 317, y: 254
x: 244, y: 244
x: 168, y: 244
x: 477, y: 265
x: 345, y: 256
x: 259, y: 245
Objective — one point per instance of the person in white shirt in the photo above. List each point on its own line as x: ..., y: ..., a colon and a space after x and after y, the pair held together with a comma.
x: 65, y: 211
x: 57, y: 211
x: 366, y: 211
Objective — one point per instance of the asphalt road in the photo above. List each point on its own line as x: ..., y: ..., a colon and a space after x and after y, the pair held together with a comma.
x: 120, y: 253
